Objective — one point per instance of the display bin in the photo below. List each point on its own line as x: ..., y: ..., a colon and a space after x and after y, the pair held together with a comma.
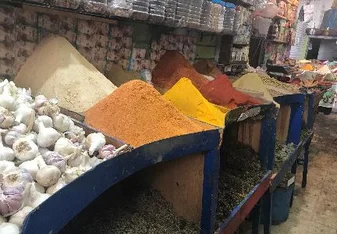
x: 190, y: 161
x: 289, y: 120
x: 254, y: 127
x: 309, y: 110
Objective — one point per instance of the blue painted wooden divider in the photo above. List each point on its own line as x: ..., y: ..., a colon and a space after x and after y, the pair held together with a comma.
x: 53, y: 214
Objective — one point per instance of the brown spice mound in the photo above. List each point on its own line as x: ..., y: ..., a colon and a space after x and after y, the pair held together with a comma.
x: 171, y: 68
x: 137, y: 114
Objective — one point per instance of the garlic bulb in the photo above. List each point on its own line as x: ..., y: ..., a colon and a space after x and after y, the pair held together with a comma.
x: 17, y: 178
x: 75, y: 159
x: 9, y: 228
x: 48, y: 176
x: 24, y: 114
x: 36, y: 198
x: 75, y: 134
x: 66, y: 148
x: 72, y: 174
x: 55, y: 159
x: 6, y: 153
x: 11, y: 137
x: 62, y: 123
x: 39, y: 101
x: 32, y: 136
x: 21, y: 128
x: 31, y: 166
x: 11, y: 200
x: 48, y: 108
x: 2, y: 220
x: 56, y: 187
x: 39, y: 188
x: 46, y: 120
x: 6, y: 118
x: 7, y: 167
x: 94, y: 142
x: 19, y: 217
x: 25, y: 149
x: 107, y: 152
x: 24, y: 97
x: 47, y: 136
x: 6, y: 100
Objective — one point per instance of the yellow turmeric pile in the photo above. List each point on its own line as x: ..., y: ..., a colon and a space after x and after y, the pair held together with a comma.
x: 187, y: 98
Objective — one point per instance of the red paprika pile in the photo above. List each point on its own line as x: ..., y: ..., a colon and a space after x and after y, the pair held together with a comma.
x: 171, y: 68
x: 221, y: 92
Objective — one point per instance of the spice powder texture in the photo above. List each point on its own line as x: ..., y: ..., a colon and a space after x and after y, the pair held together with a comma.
x: 187, y: 98
x: 171, y: 68
x: 137, y: 114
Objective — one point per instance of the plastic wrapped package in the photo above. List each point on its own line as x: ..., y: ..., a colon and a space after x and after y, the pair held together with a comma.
x: 140, y: 9
x: 182, y: 12
x: 96, y: 6
x: 70, y: 4
x: 157, y: 11
x: 229, y: 18
x: 195, y: 14
x: 121, y: 8
x: 170, y: 13
x: 205, y: 20
x: 216, y: 10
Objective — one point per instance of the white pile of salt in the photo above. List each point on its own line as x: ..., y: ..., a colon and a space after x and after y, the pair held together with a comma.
x: 57, y: 69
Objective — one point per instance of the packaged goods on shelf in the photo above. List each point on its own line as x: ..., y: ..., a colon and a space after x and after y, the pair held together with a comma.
x: 140, y: 9
x: 121, y: 8
x: 96, y: 6
x: 182, y: 13
x: 157, y: 11
x: 228, y: 23
x: 170, y: 13
x: 195, y: 14
x: 205, y: 20
x: 71, y: 4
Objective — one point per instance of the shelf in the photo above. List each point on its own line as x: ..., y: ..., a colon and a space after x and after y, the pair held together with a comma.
x: 79, y: 13
x: 240, y: 212
x: 322, y: 37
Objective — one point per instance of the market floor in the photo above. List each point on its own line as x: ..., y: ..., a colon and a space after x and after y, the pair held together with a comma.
x: 314, y: 209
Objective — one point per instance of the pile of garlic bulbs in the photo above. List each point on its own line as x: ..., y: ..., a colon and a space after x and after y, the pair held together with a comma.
x: 41, y: 151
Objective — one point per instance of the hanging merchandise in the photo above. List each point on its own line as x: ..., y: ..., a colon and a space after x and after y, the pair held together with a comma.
x: 205, y: 19
x: 182, y: 13
x: 193, y: 104
x: 170, y: 13
x: 71, y: 4
x: 268, y: 10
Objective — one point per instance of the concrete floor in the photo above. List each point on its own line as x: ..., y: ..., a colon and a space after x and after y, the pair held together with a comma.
x: 314, y: 209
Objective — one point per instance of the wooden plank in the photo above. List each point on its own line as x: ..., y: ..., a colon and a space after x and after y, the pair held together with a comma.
x: 282, y: 123
x: 249, y: 133
x: 181, y: 184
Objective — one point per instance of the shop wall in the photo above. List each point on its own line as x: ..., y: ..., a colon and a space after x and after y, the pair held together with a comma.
x: 132, y: 45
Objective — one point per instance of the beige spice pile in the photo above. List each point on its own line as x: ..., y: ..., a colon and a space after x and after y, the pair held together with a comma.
x: 57, y: 69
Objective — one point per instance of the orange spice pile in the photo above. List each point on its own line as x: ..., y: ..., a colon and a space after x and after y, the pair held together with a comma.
x: 137, y: 114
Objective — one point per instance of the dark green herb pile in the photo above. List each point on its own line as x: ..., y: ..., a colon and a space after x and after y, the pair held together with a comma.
x: 141, y: 210
x: 240, y: 172
x: 282, y: 152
